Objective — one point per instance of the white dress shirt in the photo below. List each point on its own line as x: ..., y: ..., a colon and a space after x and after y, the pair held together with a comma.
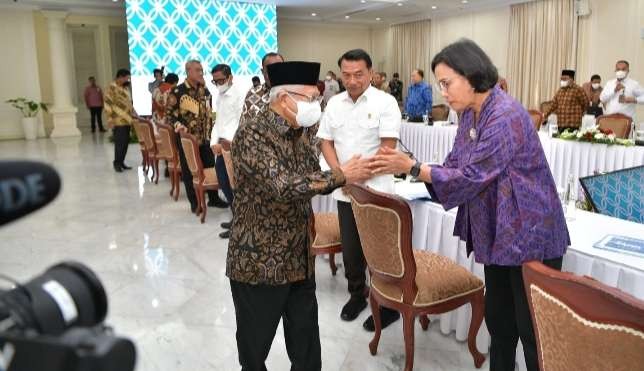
x: 229, y: 108
x: 610, y: 98
x: 357, y: 128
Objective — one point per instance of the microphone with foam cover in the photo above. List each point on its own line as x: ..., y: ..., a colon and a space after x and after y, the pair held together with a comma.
x: 25, y: 186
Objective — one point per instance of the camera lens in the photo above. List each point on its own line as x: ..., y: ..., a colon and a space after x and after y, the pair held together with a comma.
x: 67, y: 294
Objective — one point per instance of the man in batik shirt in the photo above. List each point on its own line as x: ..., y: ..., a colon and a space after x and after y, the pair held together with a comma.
x: 189, y: 106
x: 269, y: 261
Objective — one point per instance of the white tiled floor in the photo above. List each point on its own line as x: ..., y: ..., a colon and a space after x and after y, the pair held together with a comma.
x: 164, y: 272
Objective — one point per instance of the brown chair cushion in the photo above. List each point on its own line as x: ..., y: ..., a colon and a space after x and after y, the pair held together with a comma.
x: 619, y: 124
x: 568, y: 341
x: 438, y: 279
x: 164, y: 147
x: 327, y: 230
x: 210, y: 177
x: 191, y: 155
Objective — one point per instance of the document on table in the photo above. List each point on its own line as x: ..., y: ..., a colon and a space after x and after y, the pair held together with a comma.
x: 622, y: 244
x: 412, y: 191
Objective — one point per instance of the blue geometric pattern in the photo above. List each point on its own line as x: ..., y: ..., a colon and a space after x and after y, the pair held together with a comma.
x: 170, y: 32
x: 619, y: 194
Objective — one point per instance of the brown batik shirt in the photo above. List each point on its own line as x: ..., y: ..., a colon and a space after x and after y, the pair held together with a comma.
x: 569, y: 104
x: 190, y: 106
x: 277, y: 173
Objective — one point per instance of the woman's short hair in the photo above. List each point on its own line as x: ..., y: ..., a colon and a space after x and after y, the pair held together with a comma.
x: 469, y: 61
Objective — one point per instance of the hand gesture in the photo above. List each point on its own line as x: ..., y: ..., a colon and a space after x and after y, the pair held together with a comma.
x: 356, y: 170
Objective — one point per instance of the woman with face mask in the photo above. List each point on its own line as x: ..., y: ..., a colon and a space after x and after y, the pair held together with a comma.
x: 331, y: 86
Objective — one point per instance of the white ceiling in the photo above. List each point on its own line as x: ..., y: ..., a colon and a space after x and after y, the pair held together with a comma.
x: 367, y: 12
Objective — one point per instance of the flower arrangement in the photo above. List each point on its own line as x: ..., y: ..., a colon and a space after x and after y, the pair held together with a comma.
x: 595, y: 135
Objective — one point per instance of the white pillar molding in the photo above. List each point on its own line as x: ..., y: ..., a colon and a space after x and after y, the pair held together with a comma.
x: 63, y: 111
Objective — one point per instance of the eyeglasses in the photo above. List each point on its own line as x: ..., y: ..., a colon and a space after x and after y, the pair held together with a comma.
x: 444, y: 84
x: 219, y: 81
x: 308, y: 99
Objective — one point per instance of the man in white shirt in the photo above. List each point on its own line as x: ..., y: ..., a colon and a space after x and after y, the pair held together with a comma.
x: 621, y: 94
x: 358, y: 121
x: 230, y: 103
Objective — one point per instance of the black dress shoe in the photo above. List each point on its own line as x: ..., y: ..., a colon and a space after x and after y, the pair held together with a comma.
x: 218, y: 203
x: 225, y: 234
x: 193, y: 208
x: 118, y: 169
x: 103, y: 130
x: 352, y: 308
x: 387, y: 317
x: 126, y: 167
x: 226, y: 225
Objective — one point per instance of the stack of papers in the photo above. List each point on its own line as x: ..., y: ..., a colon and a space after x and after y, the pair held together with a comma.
x: 622, y: 244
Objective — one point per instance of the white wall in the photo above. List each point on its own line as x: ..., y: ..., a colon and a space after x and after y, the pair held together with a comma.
x: 320, y: 42
x: 18, y: 68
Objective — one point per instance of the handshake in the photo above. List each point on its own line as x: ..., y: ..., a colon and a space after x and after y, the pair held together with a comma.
x: 387, y: 161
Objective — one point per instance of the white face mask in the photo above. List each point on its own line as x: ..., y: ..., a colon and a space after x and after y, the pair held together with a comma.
x: 620, y: 74
x: 308, y: 113
x: 596, y: 86
x: 223, y: 88
x: 564, y: 83
x: 328, y: 77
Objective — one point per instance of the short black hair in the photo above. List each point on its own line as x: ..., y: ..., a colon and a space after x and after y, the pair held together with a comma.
x: 625, y: 62
x: 469, y: 61
x: 91, y: 78
x: 396, y: 75
x: 157, y: 70
x: 223, y: 68
x: 255, y: 79
x: 595, y: 77
x: 420, y: 72
x: 122, y: 72
x: 269, y: 55
x: 356, y: 55
x: 171, y: 78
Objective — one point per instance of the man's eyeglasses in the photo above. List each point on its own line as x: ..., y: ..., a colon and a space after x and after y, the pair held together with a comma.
x: 307, y: 98
x: 219, y: 81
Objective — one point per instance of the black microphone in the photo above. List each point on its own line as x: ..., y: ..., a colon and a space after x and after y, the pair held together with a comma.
x: 25, y: 186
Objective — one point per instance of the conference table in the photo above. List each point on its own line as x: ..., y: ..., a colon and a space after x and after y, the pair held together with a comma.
x: 433, y: 230
x: 432, y: 144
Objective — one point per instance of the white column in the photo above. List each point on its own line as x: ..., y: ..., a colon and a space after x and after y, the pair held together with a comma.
x: 63, y: 111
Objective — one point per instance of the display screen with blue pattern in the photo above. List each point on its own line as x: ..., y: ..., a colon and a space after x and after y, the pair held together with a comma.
x: 170, y: 32
x: 619, y: 193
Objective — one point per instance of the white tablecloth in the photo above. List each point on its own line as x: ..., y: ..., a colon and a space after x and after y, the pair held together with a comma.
x: 428, y: 143
x: 581, y: 159
x: 433, y: 230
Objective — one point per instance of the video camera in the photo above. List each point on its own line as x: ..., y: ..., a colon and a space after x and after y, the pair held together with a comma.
x: 54, y: 322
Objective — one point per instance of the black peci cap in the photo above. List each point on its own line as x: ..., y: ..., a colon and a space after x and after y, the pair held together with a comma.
x: 293, y: 73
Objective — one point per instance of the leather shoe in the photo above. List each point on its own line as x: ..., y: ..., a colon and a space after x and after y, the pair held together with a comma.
x: 226, y: 225
x: 225, y: 234
x: 126, y: 167
x: 118, y: 169
x: 352, y: 308
x: 218, y: 203
x: 387, y: 317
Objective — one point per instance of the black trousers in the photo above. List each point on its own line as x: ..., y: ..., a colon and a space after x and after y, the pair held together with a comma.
x: 507, y: 316
x: 121, y: 142
x: 355, y: 264
x: 96, y: 114
x: 222, y: 178
x: 258, y: 310
x: 208, y: 160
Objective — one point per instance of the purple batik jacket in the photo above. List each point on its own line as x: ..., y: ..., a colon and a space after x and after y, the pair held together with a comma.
x: 503, y: 187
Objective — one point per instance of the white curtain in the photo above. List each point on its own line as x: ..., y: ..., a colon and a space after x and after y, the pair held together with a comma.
x: 410, y: 50
x: 542, y: 42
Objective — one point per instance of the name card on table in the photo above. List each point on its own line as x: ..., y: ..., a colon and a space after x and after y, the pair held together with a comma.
x: 622, y: 244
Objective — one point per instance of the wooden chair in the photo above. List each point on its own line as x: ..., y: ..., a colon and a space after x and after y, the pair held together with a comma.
x: 440, y: 112
x: 544, y: 106
x: 167, y: 145
x: 326, y: 225
x: 581, y: 324
x: 202, y: 179
x: 413, y: 282
x: 537, y: 118
x: 144, y: 153
x: 149, y: 141
x: 620, y: 124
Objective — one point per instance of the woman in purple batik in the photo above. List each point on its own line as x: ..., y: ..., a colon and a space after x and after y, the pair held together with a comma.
x: 508, y: 209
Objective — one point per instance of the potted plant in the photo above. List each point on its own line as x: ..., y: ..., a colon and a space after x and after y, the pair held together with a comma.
x: 29, y: 110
